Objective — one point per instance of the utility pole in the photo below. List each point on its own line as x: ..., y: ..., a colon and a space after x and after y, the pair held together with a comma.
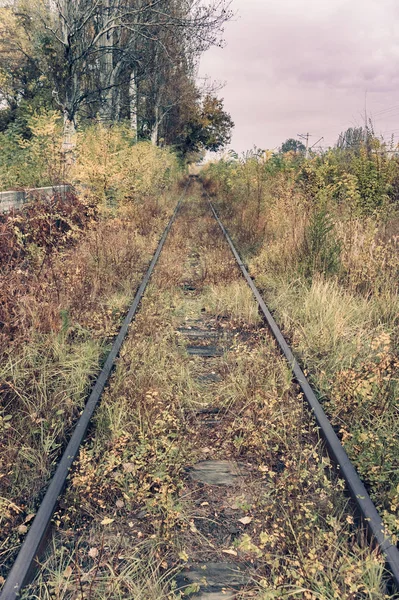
x: 367, y: 132
x: 305, y: 136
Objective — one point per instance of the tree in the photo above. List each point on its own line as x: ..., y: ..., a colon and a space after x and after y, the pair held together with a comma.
x: 21, y: 81
x: 99, y: 56
x: 292, y: 145
x: 353, y: 138
x: 208, y: 128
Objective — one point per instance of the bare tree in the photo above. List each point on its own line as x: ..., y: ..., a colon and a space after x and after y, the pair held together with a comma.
x: 94, y: 52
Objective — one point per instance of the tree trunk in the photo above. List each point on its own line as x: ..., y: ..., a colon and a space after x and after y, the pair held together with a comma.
x: 69, y: 141
x: 155, y: 130
x: 105, y: 43
x: 134, y: 101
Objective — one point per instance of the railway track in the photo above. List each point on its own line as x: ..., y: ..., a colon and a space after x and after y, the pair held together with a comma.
x: 218, y: 463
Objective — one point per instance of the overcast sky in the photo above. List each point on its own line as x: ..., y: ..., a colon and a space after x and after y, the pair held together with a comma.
x: 298, y: 66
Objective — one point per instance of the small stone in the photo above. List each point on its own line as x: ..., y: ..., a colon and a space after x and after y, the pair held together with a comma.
x: 209, y: 378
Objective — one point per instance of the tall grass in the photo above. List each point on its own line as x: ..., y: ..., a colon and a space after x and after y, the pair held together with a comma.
x: 325, y: 254
x: 69, y: 269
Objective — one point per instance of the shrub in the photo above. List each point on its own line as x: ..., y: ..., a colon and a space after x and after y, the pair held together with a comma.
x: 118, y: 171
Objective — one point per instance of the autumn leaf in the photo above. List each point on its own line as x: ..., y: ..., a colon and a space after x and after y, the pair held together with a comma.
x: 129, y: 467
x: 29, y: 518
x: 68, y: 572
x: 183, y: 555
x: 107, y: 521
x: 93, y: 552
x: 230, y: 551
x: 22, y: 529
x: 246, y: 520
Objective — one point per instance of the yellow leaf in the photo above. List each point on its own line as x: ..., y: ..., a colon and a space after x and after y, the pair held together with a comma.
x: 107, y: 521
x: 183, y: 555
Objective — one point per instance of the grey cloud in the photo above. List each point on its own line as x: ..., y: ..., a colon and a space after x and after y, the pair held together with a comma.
x: 300, y: 64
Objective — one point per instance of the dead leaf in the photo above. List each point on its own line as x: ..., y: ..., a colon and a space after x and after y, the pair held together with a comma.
x: 229, y: 551
x: 68, y: 572
x: 193, y: 528
x: 107, y: 521
x: 246, y: 520
x: 29, y: 518
x: 120, y: 504
x: 204, y: 503
x: 93, y: 552
x: 22, y: 529
x: 129, y: 467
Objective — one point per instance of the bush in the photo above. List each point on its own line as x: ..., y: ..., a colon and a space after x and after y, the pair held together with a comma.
x: 118, y: 171
x: 36, y: 159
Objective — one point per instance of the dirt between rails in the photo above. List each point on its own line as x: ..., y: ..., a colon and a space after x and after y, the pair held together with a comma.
x: 204, y: 476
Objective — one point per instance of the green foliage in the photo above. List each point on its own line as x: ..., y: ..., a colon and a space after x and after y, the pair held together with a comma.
x: 208, y: 128
x: 322, y: 250
x: 352, y: 139
x: 292, y: 145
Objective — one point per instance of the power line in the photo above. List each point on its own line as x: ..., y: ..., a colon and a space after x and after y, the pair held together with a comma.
x: 386, y: 110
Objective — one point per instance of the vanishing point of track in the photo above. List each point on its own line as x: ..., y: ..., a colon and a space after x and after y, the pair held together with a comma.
x: 24, y: 566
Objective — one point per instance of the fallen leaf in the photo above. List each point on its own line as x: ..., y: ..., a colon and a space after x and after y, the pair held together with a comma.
x: 229, y: 551
x: 193, y: 528
x: 129, y: 467
x: 29, y: 518
x: 107, y: 521
x: 246, y: 520
x: 120, y: 504
x: 204, y: 503
x: 68, y: 572
x: 22, y: 529
x: 93, y: 552
x: 183, y: 556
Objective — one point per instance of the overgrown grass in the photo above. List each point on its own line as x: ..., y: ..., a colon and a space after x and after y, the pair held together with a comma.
x: 328, y: 266
x: 66, y: 290
x: 131, y: 518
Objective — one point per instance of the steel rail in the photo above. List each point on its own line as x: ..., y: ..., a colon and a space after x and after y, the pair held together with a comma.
x: 356, y: 487
x: 24, y: 566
